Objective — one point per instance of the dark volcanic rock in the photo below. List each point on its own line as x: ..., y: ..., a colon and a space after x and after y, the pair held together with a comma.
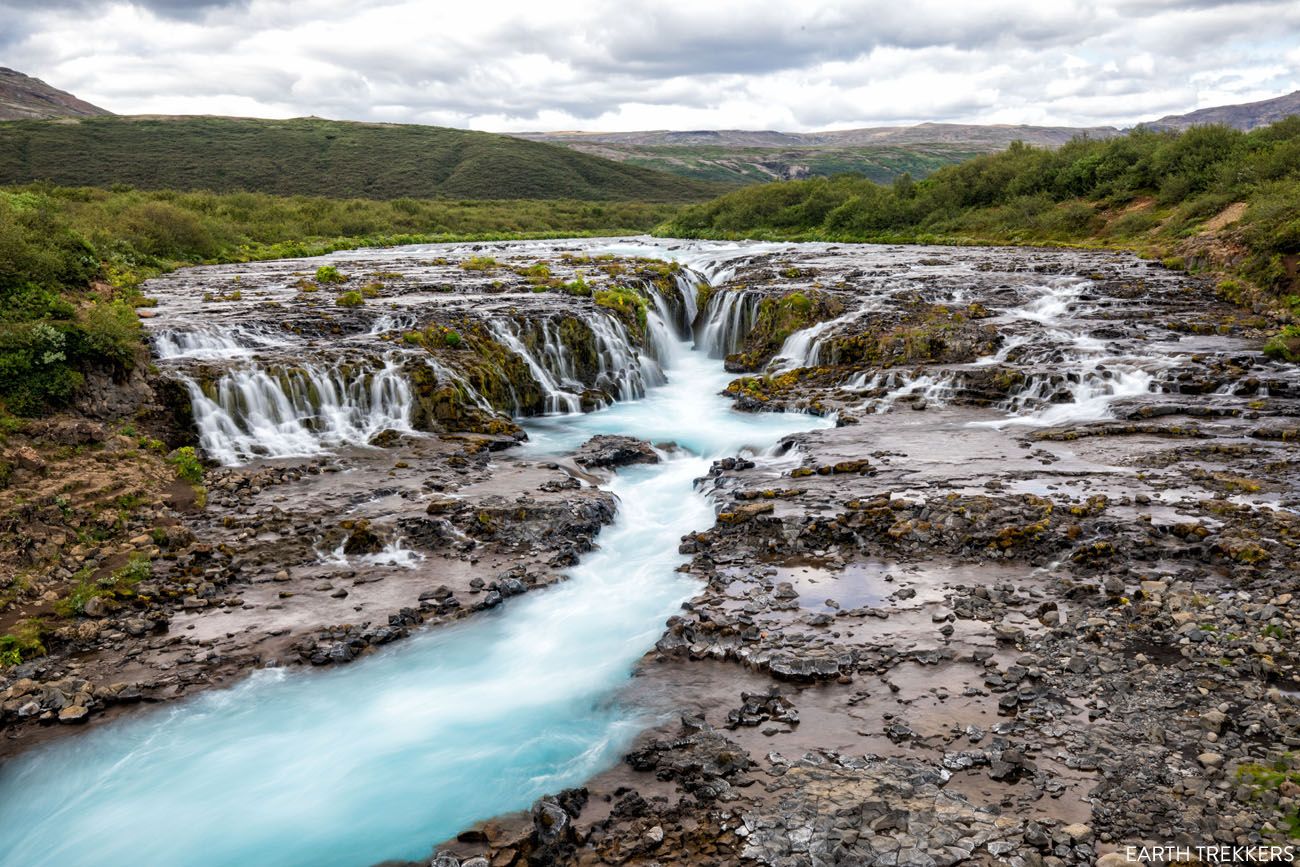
x: 607, y: 450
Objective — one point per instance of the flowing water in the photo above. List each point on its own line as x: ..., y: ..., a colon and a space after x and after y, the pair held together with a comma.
x: 382, y: 758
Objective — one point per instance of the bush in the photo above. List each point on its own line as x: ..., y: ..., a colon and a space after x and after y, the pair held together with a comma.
x: 35, y: 368
x: 188, y: 466
x: 164, y: 230
x: 350, y: 299
x: 111, y: 331
x: 330, y: 274
x: 1285, y: 345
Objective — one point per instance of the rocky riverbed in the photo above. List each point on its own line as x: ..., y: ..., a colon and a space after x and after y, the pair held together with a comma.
x: 1028, y: 601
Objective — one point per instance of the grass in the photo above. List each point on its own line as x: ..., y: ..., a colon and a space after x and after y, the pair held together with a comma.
x: 314, y: 157
x: 24, y: 641
x: 120, y: 584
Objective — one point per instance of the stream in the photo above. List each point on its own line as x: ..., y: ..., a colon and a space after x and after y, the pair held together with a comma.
x: 382, y: 758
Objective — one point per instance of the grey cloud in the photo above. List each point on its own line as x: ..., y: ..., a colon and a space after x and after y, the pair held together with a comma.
x: 868, y: 62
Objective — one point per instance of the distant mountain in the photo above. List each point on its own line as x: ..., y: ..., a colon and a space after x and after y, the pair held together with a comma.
x: 970, y: 136
x: 23, y: 97
x: 749, y: 156
x: 879, y: 153
x: 310, y: 156
x: 1245, y: 116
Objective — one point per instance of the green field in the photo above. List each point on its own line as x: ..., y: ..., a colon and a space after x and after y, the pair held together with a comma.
x: 321, y: 158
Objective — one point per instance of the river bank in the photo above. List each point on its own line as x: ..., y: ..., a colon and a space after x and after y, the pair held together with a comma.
x: 1056, y: 518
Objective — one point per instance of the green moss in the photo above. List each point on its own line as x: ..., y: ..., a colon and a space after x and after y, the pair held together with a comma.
x: 330, y: 274
x: 26, y: 640
x: 1285, y: 345
x: 778, y: 318
x: 628, y: 304
x: 480, y: 263
x: 350, y: 299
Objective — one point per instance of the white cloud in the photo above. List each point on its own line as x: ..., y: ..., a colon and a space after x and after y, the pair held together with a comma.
x: 638, y: 64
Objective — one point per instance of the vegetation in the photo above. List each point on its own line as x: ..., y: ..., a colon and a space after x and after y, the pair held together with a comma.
x: 330, y: 274
x: 72, y: 260
x: 1154, y: 192
x: 119, y: 584
x: 310, y: 156
x: 188, y: 466
x: 627, y: 303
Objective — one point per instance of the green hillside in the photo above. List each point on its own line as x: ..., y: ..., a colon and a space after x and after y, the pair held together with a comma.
x: 309, y: 156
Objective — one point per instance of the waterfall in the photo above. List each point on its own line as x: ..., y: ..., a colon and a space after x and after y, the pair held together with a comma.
x: 1090, y: 397
x: 803, y: 348
x: 623, y: 371
x: 728, y: 316
x: 268, y: 412
x: 891, y: 386
x: 558, y: 398
x: 448, y: 374
x: 213, y: 342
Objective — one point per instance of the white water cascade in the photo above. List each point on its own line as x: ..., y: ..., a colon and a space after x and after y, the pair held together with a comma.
x: 889, y: 387
x: 255, y: 412
x: 803, y: 348
x: 622, y: 371
x: 1080, y: 382
x: 213, y: 343
x: 1090, y: 396
x: 728, y: 316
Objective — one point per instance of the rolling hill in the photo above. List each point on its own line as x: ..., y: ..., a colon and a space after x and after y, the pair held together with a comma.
x: 750, y: 156
x: 878, y: 153
x: 1245, y: 117
x: 24, y: 97
x: 310, y: 156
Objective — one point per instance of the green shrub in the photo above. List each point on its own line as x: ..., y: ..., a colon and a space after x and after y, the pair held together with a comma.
x: 330, y: 274
x: 188, y: 466
x: 350, y: 299
x: 451, y: 338
x: 1285, y: 345
x: 112, y: 332
x: 480, y: 263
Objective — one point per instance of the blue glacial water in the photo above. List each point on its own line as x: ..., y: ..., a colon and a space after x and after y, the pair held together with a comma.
x: 385, y: 757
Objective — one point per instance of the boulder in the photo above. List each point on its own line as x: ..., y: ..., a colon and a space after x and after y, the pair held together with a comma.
x: 606, y: 450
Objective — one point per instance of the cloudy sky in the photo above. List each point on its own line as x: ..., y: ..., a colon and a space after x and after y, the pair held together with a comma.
x: 661, y: 64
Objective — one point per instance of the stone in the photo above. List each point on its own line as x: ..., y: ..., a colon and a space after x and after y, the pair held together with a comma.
x: 1078, y: 832
x: 607, y: 450
x: 1213, y: 720
x: 74, y: 713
